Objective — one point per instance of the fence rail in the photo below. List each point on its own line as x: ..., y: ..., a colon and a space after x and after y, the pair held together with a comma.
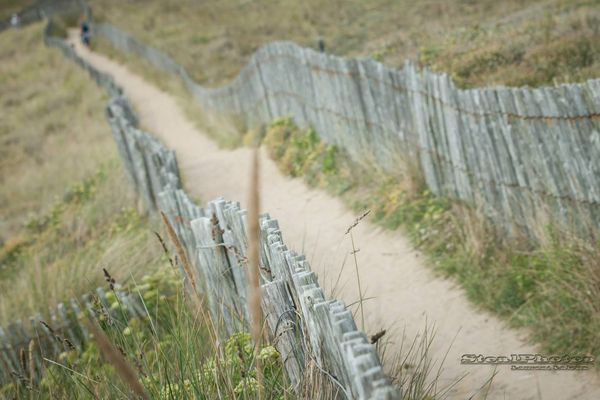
x: 524, y: 156
x: 305, y: 326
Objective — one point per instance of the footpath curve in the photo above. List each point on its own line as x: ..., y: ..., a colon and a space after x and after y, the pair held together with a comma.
x: 406, y: 294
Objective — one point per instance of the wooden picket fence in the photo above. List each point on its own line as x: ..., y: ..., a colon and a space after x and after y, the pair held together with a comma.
x: 526, y: 157
x: 306, y: 328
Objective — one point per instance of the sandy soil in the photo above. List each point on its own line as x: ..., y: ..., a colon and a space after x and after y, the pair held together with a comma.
x: 406, y: 294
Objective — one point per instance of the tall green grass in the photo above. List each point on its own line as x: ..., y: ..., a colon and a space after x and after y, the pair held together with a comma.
x: 170, y: 349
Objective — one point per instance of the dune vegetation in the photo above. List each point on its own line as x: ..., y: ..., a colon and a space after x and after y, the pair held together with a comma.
x: 550, y: 287
x: 67, y: 210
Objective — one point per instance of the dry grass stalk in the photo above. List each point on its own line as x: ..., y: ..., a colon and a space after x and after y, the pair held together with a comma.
x: 195, y: 298
x: 31, y: 366
x: 114, y: 357
x: 109, y: 279
x: 164, y: 248
x: 360, y: 292
x: 23, y: 359
x: 180, y: 250
x: 354, y: 251
x: 375, y: 338
x: 254, y: 270
x: 356, y: 221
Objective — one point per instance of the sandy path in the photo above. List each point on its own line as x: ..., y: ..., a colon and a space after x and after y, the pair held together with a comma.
x: 406, y: 292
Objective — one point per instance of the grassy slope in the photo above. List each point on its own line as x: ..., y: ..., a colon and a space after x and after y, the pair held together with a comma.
x: 43, y: 147
x: 8, y: 7
x: 479, y: 42
x: 65, y: 205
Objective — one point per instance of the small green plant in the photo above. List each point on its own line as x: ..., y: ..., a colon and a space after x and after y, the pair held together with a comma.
x: 300, y: 152
x: 379, y: 55
x: 127, y: 219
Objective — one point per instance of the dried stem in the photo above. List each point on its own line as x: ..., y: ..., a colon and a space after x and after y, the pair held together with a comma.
x: 195, y: 298
x: 164, y: 247
x: 31, y: 349
x: 180, y: 250
x: 113, y: 356
x: 354, y: 251
x: 254, y: 271
x: 360, y: 292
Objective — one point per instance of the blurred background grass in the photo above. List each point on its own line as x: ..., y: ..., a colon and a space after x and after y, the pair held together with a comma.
x: 65, y: 205
x: 484, y: 42
x: 8, y: 7
x: 44, y: 147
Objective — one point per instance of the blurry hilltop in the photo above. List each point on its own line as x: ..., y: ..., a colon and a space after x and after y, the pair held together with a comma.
x: 511, y: 42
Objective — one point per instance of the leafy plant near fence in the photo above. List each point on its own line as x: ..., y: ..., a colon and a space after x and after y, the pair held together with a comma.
x: 169, y: 347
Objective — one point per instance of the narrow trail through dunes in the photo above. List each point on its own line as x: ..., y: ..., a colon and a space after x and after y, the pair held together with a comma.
x: 406, y: 294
